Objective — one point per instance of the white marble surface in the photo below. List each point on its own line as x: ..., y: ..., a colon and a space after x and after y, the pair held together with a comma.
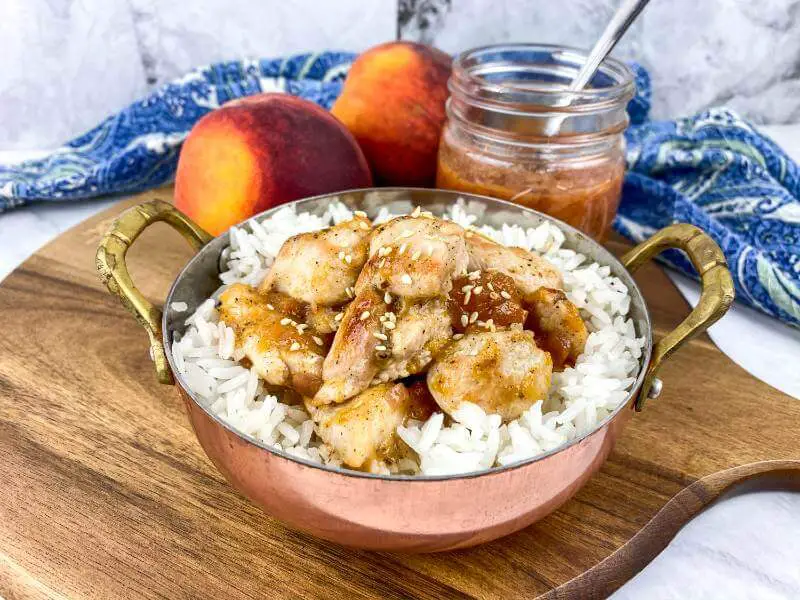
x: 93, y: 57
x: 745, y: 547
x: 700, y: 53
x: 65, y: 64
x: 177, y: 36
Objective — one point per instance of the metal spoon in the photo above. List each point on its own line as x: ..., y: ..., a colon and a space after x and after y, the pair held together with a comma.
x: 616, y: 28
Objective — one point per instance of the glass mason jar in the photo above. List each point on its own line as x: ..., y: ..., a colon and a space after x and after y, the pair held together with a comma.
x: 514, y: 132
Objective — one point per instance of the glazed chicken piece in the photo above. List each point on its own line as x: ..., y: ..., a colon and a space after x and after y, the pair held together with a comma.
x: 352, y: 361
x: 414, y: 257
x: 380, y: 342
x: 558, y: 326
x: 319, y: 267
x: 503, y: 372
x: 363, y: 431
x: 528, y: 270
x: 324, y: 319
x: 399, y: 318
x: 489, y: 300
x: 283, y: 352
x: 419, y: 332
x: 422, y: 403
x: 555, y: 320
x: 485, y: 300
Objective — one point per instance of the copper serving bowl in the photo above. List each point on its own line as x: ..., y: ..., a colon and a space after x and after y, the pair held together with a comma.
x: 424, y: 513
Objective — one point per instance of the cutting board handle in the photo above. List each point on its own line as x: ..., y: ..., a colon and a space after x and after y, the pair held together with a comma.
x: 716, y: 295
x: 605, y: 577
x: 113, y: 270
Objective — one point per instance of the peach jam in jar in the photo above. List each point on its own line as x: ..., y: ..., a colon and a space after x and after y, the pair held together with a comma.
x: 514, y: 132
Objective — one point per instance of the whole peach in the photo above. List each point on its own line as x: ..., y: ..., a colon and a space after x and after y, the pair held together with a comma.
x: 258, y: 152
x: 393, y: 101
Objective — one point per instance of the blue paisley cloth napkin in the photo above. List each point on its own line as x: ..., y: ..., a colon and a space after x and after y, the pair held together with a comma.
x: 713, y: 169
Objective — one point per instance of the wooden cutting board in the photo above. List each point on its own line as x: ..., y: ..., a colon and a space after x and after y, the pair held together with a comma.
x: 105, y: 492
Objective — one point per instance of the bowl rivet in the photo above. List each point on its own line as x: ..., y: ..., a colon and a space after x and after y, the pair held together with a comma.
x: 655, y: 388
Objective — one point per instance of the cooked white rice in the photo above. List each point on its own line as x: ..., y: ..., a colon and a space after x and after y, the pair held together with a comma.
x: 579, y: 397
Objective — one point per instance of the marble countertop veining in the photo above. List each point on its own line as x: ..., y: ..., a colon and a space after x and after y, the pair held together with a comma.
x: 699, y: 53
x: 746, y: 546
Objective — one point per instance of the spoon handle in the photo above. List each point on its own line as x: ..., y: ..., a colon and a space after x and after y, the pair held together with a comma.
x: 616, y: 28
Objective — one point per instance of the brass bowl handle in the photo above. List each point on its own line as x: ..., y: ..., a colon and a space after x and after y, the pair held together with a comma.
x: 114, y: 274
x: 715, y: 298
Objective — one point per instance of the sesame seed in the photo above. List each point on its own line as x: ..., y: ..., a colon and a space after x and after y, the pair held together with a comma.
x: 318, y: 340
x: 416, y: 211
x: 480, y: 323
x: 464, y: 320
x: 381, y: 348
x: 338, y: 317
x: 294, y: 347
x: 477, y: 290
x: 458, y: 336
x: 348, y: 259
x: 473, y: 317
x: 341, y: 255
x: 383, y: 262
x: 350, y: 292
x: 364, y: 315
x: 416, y: 255
x: 490, y: 286
x: 403, y: 247
x: 467, y: 297
x: 406, y: 278
x: 302, y: 327
x: 389, y: 325
x: 430, y: 250
x: 467, y: 288
x: 391, y: 315
x: 360, y: 213
x: 363, y: 225
x: 387, y: 298
x: 380, y: 336
x: 505, y: 295
x: 285, y: 321
x: 269, y: 306
x: 474, y: 275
